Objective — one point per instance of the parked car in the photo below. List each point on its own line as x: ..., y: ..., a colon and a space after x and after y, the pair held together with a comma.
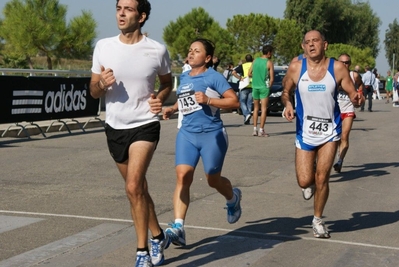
x: 275, y: 104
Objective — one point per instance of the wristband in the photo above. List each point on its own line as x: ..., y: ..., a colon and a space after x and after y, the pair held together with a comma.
x: 209, y: 101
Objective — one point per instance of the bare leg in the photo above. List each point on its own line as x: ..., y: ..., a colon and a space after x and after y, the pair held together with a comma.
x: 305, y: 172
x: 344, y: 143
x: 181, y: 198
x: 256, y: 112
x: 221, y: 184
x: 142, y: 207
x: 263, y: 115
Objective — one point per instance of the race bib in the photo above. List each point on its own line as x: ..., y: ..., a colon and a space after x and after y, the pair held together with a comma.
x: 318, y: 126
x: 187, y: 102
x: 343, y: 96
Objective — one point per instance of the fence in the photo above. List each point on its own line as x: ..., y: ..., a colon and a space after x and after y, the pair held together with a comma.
x: 30, y: 96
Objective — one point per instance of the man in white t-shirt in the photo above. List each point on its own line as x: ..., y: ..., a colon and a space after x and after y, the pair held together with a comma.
x: 124, y: 70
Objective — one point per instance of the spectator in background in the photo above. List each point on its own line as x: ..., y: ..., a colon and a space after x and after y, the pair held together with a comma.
x: 395, y: 90
x: 357, y: 68
x: 261, y: 71
x: 132, y: 122
x: 388, y: 86
x: 376, y: 94
x: 368, y: 80
x: 246, y: 101
x: 216, y: 62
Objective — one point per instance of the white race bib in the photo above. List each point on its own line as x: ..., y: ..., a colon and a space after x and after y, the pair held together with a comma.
x: 187, y: 102
x: 318, y: 126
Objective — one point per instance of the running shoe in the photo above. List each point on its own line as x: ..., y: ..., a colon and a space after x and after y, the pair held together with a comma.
x: 247, y: 119
x: 143, y: 259
x: 255, y: 132
x: 307, y: 193
x: 263, y: 134
x: 234, y: 210
x: 319, y: 229
x: 157, y: 248
x: 176, y: 234
x: 338, y: 167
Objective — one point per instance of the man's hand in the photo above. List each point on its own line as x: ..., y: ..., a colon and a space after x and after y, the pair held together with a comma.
x: 155, y: 104
x: 358, y: 100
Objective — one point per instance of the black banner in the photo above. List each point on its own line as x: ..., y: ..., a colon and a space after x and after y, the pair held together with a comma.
x: 45, y: 98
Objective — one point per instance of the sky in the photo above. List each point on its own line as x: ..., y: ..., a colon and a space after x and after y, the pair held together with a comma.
x: 165, y: 11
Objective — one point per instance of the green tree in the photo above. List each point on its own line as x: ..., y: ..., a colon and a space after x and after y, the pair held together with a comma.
x: 178, y: 35
x: 391, y: 43
x: 361, y: 57
x: 251, y: 32
x: 340, y: 20
x: 287, y: 43
x: 33, y: 27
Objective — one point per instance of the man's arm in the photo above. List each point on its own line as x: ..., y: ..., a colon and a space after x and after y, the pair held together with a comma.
x: 289, y: 84
x: 358, y: 82
x: 164, y: 90
x: 270, y: 67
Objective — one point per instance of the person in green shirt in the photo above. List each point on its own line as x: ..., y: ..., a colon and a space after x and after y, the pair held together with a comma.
x: 389, y: 86
x: 262, y: 73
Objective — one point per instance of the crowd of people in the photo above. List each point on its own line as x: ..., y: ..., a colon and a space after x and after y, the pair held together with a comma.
x: 322, y: 130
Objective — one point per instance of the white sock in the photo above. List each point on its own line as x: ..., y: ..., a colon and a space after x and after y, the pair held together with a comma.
x: 181, y: 221
x: 233, y: 200
x: 255, y: 128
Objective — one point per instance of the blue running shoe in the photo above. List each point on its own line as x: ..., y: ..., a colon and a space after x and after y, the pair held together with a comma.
x: 234, y: 210
x: 157, y: 248
x: 176, y: 234
x: 143, y: 260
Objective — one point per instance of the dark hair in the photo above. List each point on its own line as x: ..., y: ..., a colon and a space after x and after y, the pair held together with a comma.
x: 248, y: 58
x: 143, y: 7
x: 266, y: 49
x: 209, y: 49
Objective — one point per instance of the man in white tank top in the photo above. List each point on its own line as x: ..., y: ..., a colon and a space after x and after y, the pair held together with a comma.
x: 315, y: 81
x: 347, y: 111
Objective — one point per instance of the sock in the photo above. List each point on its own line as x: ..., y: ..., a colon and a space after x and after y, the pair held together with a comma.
x: 180, y: 221
x: 161, y: 236
x: 255, y: 128
x: 316, y: 218
x: 261, y: 130
x: 142, y: 251
x: 233, y: 200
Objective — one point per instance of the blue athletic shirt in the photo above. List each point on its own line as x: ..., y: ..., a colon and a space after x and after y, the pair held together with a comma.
x: 200, y: 117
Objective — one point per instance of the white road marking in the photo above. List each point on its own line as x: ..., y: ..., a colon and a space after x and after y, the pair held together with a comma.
x: 210, y: 228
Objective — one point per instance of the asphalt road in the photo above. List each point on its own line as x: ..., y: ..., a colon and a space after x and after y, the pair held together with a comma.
x: 62, y: 201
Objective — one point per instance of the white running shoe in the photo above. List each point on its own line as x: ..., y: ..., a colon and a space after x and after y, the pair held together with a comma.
x: 157, y: 248
x: 308, y: 192
x: 319, y: 229
x: 143, y: 260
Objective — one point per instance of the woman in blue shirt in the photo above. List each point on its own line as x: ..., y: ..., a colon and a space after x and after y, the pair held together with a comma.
x: 200, y: 96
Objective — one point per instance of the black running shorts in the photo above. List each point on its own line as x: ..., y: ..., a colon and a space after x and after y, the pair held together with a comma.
x: 119, y: 141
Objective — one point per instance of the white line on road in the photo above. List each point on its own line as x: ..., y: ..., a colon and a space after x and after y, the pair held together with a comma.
x: 207, y: 228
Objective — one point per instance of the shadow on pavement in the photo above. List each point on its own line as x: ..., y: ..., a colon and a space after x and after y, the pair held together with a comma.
x: 368, y: 170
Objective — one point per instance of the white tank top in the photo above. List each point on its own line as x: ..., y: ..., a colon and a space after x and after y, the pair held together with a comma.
x: 345, y: 104
x: 317, y: 110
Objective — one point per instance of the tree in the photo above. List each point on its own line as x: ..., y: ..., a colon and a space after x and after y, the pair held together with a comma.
x: 340, y: 20
x: 178, y: 35
x: 251, y: 32
x: 33, y: 27
x: 391, y: 43
x: 361, y: 57
x: 287, y: 43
